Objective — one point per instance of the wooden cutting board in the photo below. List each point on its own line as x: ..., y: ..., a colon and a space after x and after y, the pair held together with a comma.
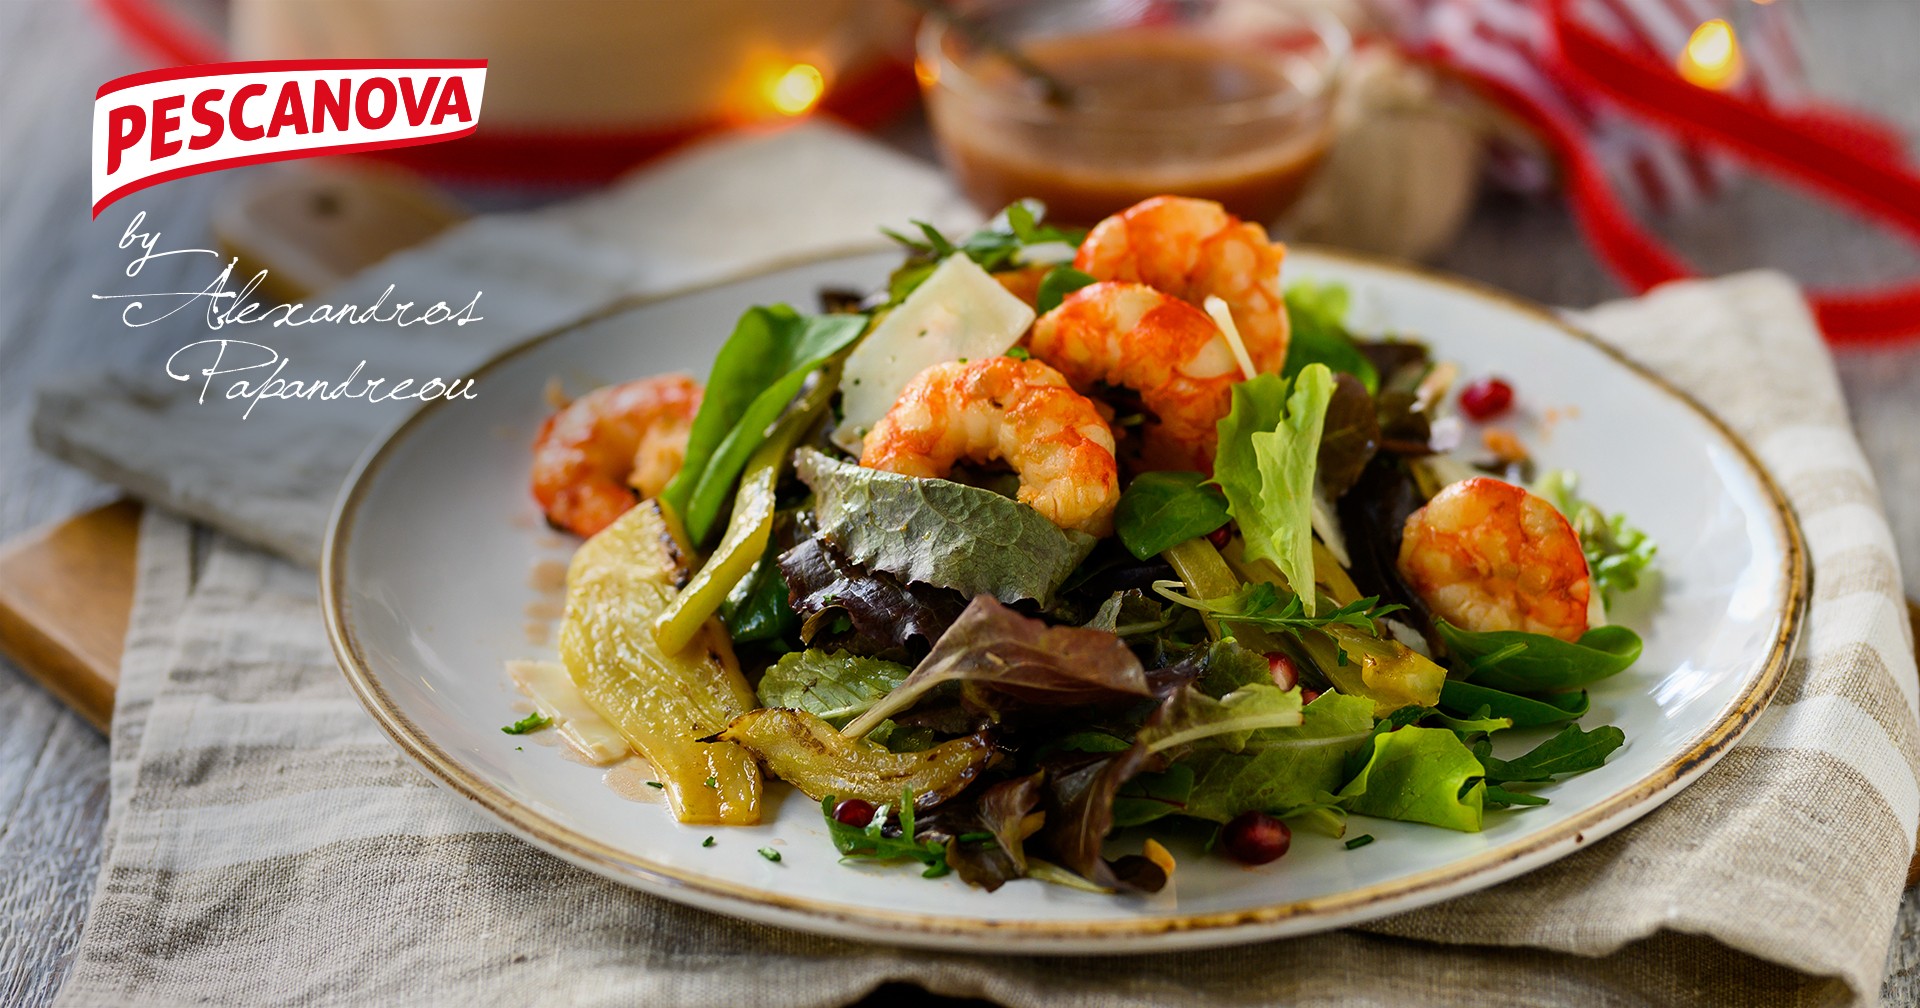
x: 66, y: 592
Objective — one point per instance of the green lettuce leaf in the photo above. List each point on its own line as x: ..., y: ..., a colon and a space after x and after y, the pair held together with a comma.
x: 1269, y: 443
x: 1281, y: 769
x: 1420, y: 775
x: 834, y: 686
x: 1525, y: 712
x: 938, y: 532
x: 1162, y: 509
x: 760, y: 369
x: 1520, y: 662
x: 1191, y: 717
x: 1317, y: 314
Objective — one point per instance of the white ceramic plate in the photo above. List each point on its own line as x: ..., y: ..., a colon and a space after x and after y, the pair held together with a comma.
x: 427, y: 589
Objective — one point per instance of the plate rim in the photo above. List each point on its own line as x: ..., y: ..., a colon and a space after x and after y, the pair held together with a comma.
x: 1069, y: 936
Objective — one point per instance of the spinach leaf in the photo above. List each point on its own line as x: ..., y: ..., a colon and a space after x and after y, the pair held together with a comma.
x: 757, y: 608
x: 1059, y: 282
x: 760, y: 369
x: 1571, y: 751
x: 938, y: 532
x: 1162, y: 509
x: 1420, y: 775
x: 833, y: 686
x: 1525, y: 712
x: 1520, y: 662
x: 1317, y: 314
x: 1280, y: 769
x: 1269, y: 441
x: 990, y: 646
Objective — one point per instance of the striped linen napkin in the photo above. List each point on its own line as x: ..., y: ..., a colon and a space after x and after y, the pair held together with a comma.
x: 268, y: 846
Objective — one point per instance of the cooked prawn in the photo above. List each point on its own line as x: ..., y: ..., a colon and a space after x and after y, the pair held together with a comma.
x: 1165, y: 349
x: 1192, y: 248
x: 1487, y: 555
x: 611, y: 448
x: 1021, y: 412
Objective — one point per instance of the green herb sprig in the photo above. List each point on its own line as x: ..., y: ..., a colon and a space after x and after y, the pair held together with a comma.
x: 531, y: 723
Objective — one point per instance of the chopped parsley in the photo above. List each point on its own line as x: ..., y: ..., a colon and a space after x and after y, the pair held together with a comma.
x: 531, y: 723
x: 708, y: 842
x: 766, y: 852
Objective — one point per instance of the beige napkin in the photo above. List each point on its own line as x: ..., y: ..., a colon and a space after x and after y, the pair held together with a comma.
x: 268, y: 846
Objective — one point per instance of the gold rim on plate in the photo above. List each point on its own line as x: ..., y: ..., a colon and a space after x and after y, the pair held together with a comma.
x: 1340, y: 908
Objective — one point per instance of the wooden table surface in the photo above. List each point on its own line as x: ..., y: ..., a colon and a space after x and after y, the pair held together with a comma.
x: 53, y: 53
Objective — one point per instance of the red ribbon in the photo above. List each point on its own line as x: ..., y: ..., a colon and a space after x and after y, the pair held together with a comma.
x: 1842, y: 157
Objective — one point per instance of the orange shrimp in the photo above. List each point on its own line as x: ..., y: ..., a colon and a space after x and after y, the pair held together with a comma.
x: 1192, y: 248
x: 1018, y: 411
x: 1165, y: 349
x: 1487, y: 555
x: 611, y: 448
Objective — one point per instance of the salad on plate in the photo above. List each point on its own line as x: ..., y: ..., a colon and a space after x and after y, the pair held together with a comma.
x: 1065, y: 543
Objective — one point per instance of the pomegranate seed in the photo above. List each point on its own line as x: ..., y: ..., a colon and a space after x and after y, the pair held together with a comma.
x: 1285, y: 675
x: 1218, y: 537
x: 1308, y: 696
x: 854, y: 812
x: 1256, y: 838
x: 1488, y: 397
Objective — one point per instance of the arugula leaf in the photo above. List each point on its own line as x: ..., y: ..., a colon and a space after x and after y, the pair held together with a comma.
x: 1281, y: 769
x: 1162, y: 509
x: 1317, y: 313
x: 870, y: 842
x: 1521, y: 662
x: 994, y: 647
x: 531, y: 723
x: 1059, y: 282
x: 1269, y: 442
x: 760, y: 369
x: 1617, y: 553
x: 1525, y: 712
x: 1420, y: 775
x: 999, y: 245
x: 1265, y: 605
x: 835, y: 686
x: 938, y: 532
x: 1481, y: 723
x: 1499, y: 797
x: 1571, y: 751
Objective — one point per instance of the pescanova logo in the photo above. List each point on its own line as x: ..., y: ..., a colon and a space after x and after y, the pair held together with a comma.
x: 160, y: 125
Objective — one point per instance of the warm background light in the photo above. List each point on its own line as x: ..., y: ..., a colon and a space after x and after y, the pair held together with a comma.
x: 797, y: 90
x: 1712, y: 56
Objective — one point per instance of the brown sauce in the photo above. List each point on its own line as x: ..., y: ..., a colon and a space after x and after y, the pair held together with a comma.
x: 1144, y: 120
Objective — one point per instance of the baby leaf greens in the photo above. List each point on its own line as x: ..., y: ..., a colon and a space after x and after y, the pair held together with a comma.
x: 1269, y: 442
x: 1419, y: 775
x: 757, y: 372
x: 836, y: 686
x: 1013, y: 239
x: 871, y: 843
x: 1474, y: 700
x: 992, y: 646
x: 1569, y: 752
x: 1317, y: 314
x: 1059, y: 282
x: 1281, y: 768
x: 1617, y: 553
x: 1163, y: 509
x: 938, y: 532
x: 1521, y: 662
